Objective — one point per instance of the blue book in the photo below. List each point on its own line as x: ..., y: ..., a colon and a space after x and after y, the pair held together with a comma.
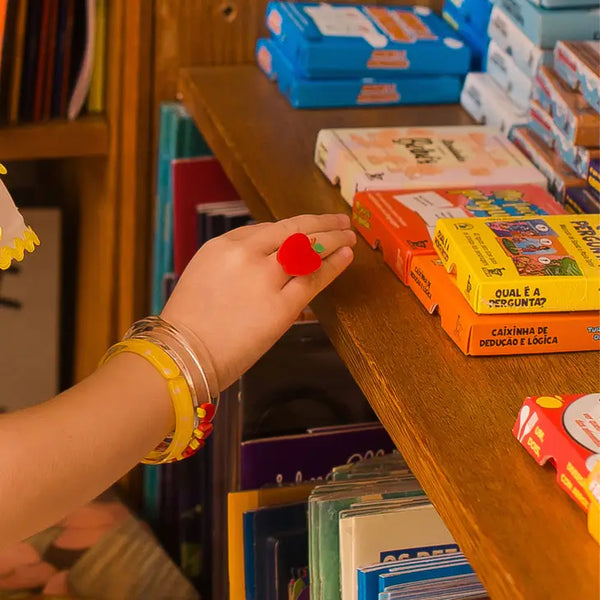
x: 370, y: 91
x: 387, y: 580
x: 342, y: 41
x: 368, y: 577
x: 545, y: 27
x: 477, y: 40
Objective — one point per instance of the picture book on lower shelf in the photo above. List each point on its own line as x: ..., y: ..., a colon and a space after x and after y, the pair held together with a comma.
x: 535, y: 264
x: 417, y: 158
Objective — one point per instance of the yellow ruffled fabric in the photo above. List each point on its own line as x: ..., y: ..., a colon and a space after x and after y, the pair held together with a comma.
x: 17, y: 250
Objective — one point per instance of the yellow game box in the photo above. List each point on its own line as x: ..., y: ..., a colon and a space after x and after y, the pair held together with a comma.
x: 537, y: 264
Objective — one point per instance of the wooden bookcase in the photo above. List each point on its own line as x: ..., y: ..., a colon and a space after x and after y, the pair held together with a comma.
x: 450, y: 415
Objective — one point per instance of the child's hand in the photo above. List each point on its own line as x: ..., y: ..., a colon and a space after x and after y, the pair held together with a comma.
x: 235, y: 296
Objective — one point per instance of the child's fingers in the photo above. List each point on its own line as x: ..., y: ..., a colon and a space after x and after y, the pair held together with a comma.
x: 269, y: 239
x: 299, y: 291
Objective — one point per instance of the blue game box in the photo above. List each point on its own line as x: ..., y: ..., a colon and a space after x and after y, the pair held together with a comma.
x: 325, y: 40
x: 370, y: 91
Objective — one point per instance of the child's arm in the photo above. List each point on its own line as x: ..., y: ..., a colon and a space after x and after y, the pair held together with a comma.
x: 234, y: 296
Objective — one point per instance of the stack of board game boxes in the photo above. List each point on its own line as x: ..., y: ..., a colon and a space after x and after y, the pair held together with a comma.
x: 508, y: 270
x: 523, y: 34
x: 470, y: 18
x: 563, y: 134
x: 324, y: 55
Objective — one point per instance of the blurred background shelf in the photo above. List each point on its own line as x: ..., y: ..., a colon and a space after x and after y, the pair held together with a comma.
x: 87, y: 136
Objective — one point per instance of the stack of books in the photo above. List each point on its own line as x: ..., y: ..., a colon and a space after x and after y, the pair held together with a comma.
x: 52, y: 59
x: 523, y: 34
x: 470, y: 18
x: 403, y: 182
x: 562, y: 136
x: 324, y: 55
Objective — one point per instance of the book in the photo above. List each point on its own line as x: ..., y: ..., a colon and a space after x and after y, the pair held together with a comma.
x: 474, y: 35
x: 571, y: 113
x: 366, y: 41
x: 413, y: 158
x: 577, y: 157
x: 322, y: 93
x: 498, y: 334
x: 488, y: 104
x: 64, y: 58
x: 561, y: 178
x: 369, y: 577
x: 83, y: 78
x: 582, y: 200
x: 524, y: 264
x: 264, y: 523
x: 402, y: 224
x: 95, y: 100
x: 563, y: 429
x: 577, y: 63
x: 546, y: 27
x: 509, y: 78
x: 9, y: 15
x: 32, y: 38
x: 267, y: 461
x: 324, y: 506
x: 507, y: 36
x: 195, y: 181
x: 378, y: 536
x: 44, y: 50
x: 17, y: 67
x: 237, y: 504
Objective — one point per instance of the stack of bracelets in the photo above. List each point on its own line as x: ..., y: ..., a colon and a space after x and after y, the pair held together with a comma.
x: 192, y: 383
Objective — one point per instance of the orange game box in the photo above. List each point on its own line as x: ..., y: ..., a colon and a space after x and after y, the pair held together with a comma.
x: 499, y: 334
x: 402, y: 223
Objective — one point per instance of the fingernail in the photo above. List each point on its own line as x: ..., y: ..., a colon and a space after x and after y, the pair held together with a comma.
x: 346, y: 252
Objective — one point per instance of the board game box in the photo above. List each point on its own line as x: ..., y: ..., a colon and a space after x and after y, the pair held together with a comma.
x: 474, y: 12
x: 494, y: 335
x: 532, y: 264
x: 505, y: 72
x: 527, y: 56
x: 545, y: 27
x: 413, y: 158
x: 477, y: 39
x: 401, y: 224
x: 577, y: 63
x: 326, y: 93
x: 593, y: 175
x: 571, y: 113
x: 577, y: 157
x: 485, y: 101
x: 561, y: 178
x: 582, y: 200
x: 564, y: 429
x: 325, y: 40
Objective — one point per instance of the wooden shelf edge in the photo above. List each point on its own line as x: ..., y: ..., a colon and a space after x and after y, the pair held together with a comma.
x: 87, y: 136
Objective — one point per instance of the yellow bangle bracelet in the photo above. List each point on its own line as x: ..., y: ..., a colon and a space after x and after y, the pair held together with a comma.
x: 178, y: 391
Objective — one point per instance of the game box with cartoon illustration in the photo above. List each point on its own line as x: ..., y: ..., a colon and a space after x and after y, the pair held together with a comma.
x: 494, y: 335
x: 530, y: 264
x: 417, y: 158
x: 564, y: 429
x: 325, y: 40
x: 401, y: 224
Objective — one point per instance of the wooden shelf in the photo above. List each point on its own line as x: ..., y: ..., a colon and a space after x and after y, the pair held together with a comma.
x: 87, y: 136
x: 450, y: 415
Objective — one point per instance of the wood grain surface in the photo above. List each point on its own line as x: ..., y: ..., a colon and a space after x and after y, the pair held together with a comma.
x: 450, y: 415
